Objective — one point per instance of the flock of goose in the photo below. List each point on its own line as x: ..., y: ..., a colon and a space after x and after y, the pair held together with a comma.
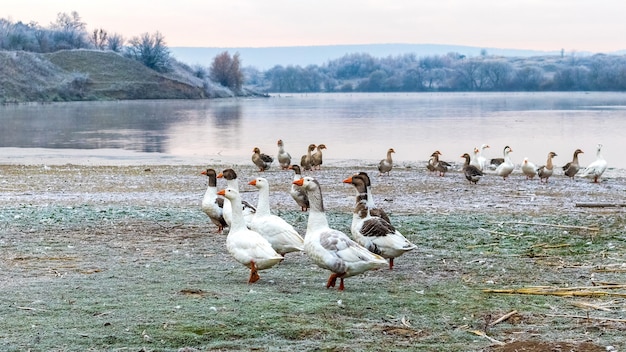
x: 476, y: 164
x: 259, y: 239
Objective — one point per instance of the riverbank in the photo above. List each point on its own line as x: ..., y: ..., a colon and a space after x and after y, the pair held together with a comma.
x: 120, y: 256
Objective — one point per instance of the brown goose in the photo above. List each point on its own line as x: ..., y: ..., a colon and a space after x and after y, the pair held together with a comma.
x: 571, y: 169
x: 212, y: 205
x: 386, y: 164
x: 374, y: 211
x: 433, y: 161
x: 284, y: 159
x: 262, y: 161
x: 306, y: 161
x: 316, y: 159
x: 440, y: 165
x: 296, y: 191
x: 545, y: 171
x: 471, y: 172
x: 374, y: 233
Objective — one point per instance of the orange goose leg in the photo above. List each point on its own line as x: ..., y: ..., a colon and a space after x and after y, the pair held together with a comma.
x: 254, y: 273
x: 332, y: 280
x: 341, y: 287
x: 390, y: 263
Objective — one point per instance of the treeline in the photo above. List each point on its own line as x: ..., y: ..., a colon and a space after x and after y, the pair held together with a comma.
x: 451, y: 72
x: 69, y: 32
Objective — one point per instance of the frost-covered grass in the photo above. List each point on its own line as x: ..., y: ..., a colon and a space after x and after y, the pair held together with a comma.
x: 87, y: 266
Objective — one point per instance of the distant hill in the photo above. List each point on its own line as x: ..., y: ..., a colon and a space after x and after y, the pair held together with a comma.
x: 266, y: 58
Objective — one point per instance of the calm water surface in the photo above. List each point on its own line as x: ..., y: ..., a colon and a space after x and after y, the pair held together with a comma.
x: 353, y: 126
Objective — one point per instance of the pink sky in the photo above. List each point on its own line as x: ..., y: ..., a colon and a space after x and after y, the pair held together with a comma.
x: 573, y: 25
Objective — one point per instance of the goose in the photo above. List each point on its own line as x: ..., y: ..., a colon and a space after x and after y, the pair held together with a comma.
x: 212, y: 205
x: 262, y: 161
x: 529, y: 169
x: 280, y: 234
x: 432, y: 162
x: 332, y: 249
x: 482, y: 160
x: 305, y: 161
x: 474, y: 159
x: 296, y: 191
x: 231, y: 181
x: 571, y: 169
x: 284, y: 159
x: 374, y: 233
x: 471, y: 172
x: 440, y: 165
x: 374, y: 211
x: 545, y: 171
x: 596, y: 168
x: 505, y: 168
x: 316, y: 159
x: 246, y: 246
x: 386, y: 164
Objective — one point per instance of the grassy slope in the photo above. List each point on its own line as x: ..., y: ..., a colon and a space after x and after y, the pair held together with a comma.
x: 56, y: 76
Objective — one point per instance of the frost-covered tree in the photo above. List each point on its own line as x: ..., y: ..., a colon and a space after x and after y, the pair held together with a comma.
x: 150, y: 49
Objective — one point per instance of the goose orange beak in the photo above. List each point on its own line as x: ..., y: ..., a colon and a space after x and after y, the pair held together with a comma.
x: 299, y: 182
x: 348, y: 180
x: 203, y: 172
x: 222, y: 192
x: 252, y: 183
x: 220, y: 175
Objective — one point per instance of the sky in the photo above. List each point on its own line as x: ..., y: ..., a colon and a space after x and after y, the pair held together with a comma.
x: 572, y: 25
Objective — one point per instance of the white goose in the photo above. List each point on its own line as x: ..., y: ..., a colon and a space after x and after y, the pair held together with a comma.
x: 246, y: 246
x: 482, y: 160
x: 596, y: 168
x: 212, y: 204
x: 231, y: 181
x: 374, y: 233
x: 296, y: 192
x: 284, y: 159
x: 507, y: 166
x: 529, y: 169
x: 474, y: 159
x: 332, y: 249
x: 280, y: 234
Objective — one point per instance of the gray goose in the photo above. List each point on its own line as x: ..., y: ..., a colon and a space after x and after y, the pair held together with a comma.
x: 471, y: 172
x: 262, y: 161
x: 284, y: 159
x: 306, y: 161
x: 296, y: 191
x: 571, y: 169
x: 545, y: 171
x: 316, y: 159
x: 386, y: 164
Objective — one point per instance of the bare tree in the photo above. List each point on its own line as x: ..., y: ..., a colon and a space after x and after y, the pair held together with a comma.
x: 226, y: 70
x: 99, y: 38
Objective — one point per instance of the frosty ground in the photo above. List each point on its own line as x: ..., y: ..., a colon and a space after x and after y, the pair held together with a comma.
x: 122, y: 258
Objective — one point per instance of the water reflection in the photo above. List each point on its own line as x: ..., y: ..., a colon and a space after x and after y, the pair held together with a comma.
x: 353, y: 126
